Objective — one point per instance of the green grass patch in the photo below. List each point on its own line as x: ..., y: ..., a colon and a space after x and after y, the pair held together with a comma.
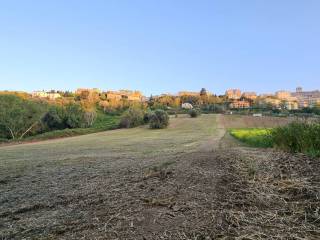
x: 254, y: 137
x: 106, y: 121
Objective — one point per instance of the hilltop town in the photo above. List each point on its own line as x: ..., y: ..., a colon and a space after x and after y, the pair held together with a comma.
x: 233, y: 98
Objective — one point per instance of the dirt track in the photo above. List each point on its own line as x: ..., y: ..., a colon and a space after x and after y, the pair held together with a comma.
x: 205, y: 187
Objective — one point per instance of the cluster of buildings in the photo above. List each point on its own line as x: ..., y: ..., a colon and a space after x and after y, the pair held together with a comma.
x: 236, y: 98
x: 94, y: 92
x: 281, y: 99
x: 43, y: 94
x: 125, y: 94
x: 306, y: 98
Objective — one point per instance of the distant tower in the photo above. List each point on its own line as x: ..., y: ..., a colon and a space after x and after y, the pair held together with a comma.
x: 299, y: 89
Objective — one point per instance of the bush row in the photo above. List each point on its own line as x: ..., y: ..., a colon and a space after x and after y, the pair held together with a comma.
x: 28, y: 117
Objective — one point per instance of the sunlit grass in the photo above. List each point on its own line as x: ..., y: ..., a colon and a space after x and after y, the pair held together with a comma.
x: 255, y: 137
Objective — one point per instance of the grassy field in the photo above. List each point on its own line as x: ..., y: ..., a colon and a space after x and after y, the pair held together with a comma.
x: 183, y: 134
x: 183, y: 182
x: 36, y: 178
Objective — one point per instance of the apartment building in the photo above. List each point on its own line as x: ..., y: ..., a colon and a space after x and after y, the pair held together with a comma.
x: 125, y: 94
x: 233, y: 94
x: 306, y: 98
x: 249, y: 95
x: 283, y: 95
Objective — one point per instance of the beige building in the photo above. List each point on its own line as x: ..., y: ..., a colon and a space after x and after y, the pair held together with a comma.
x: 125, y: 94
x: 233, y: 94
x: 53, y: 96
x: 250, y: 95
x: 43, y: 94
x: 291, y: 105
x: 283, y: 95
x: 79, y: 91
x: 39, y: 94
x: 239, y: 104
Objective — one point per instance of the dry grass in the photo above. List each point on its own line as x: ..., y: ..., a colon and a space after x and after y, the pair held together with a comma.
x: 238, y: 121
x: 178, y: 183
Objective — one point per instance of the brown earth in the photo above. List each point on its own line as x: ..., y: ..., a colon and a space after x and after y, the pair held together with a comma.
x: 191, y: 181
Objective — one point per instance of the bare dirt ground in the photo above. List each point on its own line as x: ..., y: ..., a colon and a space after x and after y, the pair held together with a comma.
x: 190, y: 181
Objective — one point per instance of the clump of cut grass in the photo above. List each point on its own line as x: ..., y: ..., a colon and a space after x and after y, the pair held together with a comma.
x: 254, y: 137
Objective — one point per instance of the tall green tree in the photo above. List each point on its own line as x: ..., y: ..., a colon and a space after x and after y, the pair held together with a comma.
x: 19, y: 116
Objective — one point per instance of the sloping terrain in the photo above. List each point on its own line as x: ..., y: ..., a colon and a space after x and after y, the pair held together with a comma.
x: 189, y: 181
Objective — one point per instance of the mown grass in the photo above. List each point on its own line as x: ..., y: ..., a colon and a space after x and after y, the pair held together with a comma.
x: 254, y: 137
x: 135, y: 143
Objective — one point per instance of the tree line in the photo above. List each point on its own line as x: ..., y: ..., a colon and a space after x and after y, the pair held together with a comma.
x: 20, y: 117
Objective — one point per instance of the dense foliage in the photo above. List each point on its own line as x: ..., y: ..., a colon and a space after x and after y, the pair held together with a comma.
x: 19, y: 116
x: 61, y: 117
x: 298, y: 137
x: 159, y: 119
x: 295, y: 137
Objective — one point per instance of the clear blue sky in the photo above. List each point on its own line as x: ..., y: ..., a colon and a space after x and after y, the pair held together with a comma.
x: 160, y: 45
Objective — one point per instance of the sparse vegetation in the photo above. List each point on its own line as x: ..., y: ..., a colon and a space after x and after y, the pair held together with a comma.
x: 159, y: 119
x: 117, y: 178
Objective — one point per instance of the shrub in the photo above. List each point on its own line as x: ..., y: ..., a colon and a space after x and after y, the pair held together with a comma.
x: 133, y: 117
x: 147, y: 116
x: 193, y: 113
x: 54, y: 118
x: 159, y: 119
x: 71, y: 116
x: 298, y: 137
x: 74, y: 116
